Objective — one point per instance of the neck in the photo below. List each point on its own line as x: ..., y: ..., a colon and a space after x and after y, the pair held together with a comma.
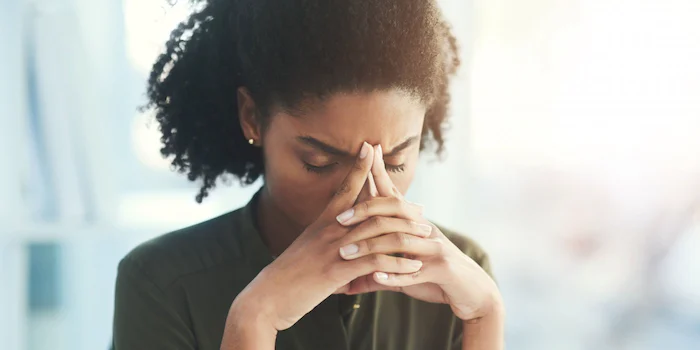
x: 277, y: 230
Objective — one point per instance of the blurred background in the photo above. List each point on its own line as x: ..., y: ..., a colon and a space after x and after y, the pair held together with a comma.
x: 573, y: 157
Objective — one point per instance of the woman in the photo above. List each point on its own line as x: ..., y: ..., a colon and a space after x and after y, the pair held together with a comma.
x: 330, y: 101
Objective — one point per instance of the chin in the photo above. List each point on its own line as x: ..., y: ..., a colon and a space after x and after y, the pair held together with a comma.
x: 300, y: 216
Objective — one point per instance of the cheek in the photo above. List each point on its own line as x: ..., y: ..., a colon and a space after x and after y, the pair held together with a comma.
x: 298, y: 193
x: 403, y: 180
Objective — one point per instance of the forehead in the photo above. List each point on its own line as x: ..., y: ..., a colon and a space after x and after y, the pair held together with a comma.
x: 346, y: 120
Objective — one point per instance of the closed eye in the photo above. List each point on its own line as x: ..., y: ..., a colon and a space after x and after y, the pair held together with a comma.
x: 395, y: 168
x: 319, y: 169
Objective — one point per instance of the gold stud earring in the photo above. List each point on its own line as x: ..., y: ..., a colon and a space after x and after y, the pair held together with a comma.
x: 251, y: 141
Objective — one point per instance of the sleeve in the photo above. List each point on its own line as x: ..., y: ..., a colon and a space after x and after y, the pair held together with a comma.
x: 144, y: 316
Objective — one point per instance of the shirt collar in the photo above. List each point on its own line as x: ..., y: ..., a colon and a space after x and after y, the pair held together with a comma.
x: 253, y: 248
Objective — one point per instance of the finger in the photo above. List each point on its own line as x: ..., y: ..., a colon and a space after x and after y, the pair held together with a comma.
x: 369, y: 190
x: 344, y: 289
x: 382, y: 225
x: 395, y: 280
x: 372, y: 185
x: 378, y: 262
x: 385, y: 186
x: 366, y: 284
x: 347, y: 193
x: 381, y: 206
x: 397, y: 242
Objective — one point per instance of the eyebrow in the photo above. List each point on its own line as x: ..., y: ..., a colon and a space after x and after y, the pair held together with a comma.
x: 318, y: 144
x: 402, y: 146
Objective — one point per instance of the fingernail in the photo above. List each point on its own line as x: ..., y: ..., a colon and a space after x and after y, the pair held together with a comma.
x: 364, y: 150
x: 379, y: 151
x: 349, y: 250
x: 427, y: 229
x: 345, y: 216
x: 416, y: 263
x: 382, y: 276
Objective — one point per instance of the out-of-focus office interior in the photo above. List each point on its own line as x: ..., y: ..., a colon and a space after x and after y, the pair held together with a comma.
x: 573, y: 157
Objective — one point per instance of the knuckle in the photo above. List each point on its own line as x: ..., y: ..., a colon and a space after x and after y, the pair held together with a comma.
x: 366, y: 207
x: 446, y: 261
x: 399, y: 262
x: 359, y: 165
x: 377, y: 222
x: 403, y: 206
x: 370, y: 245
x: 442, y: 262
x: 375, y: 260
x: 438, y: 247
x: 411, y: 226
x: 403, y: 240
x: 449, y: 266
x: 343, y: 189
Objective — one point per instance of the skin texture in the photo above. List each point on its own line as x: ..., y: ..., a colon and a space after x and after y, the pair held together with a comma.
x: 311, y: 83
x: 354, y: 205
x: 294, y: 196
x: 293, y: 54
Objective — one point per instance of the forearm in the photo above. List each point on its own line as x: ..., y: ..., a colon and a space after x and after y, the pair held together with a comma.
x: 246, y: 329
x: 487, y: 333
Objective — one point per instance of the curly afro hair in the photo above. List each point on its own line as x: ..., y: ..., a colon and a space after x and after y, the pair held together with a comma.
x: 284, y: 52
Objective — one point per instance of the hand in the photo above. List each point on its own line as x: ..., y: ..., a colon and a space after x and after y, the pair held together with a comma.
x: 447, y: 276
x: 310, y: 270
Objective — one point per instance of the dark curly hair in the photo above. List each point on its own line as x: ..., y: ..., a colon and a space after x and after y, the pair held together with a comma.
x: 286, y: 52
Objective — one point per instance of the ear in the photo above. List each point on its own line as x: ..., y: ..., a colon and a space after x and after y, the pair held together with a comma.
x: 247, y: 115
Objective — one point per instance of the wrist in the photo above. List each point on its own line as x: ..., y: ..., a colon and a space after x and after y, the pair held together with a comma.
x: 497, y: 307
x: 486, y: 333
x: 253, y: 307
x: 248, y: 325
x: 493, y: 311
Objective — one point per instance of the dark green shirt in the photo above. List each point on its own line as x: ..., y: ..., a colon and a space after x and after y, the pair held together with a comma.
x: 174, y: 293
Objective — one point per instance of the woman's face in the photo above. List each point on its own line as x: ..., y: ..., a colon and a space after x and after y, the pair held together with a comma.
x: 308, y: 156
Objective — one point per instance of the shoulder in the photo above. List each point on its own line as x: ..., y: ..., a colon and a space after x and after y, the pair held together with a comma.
x: 469, y: 247
x: 165, y: 258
